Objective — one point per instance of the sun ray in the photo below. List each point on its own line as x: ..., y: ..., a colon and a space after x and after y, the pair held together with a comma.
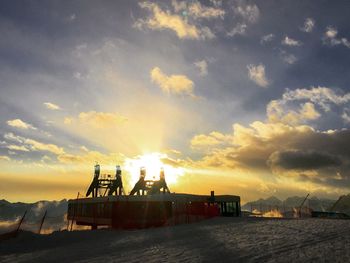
x: 153, y: 164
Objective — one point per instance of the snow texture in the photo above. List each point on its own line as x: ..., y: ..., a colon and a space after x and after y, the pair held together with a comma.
x: 219, y: 240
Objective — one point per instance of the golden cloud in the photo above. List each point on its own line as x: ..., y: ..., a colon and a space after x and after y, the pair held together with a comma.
x: 18, y: 123
x: 276, y: 112
x: 52, y: 106
x: 176, y: 84
x: 278, y: 150
x: 17, y: 148
x: 213, y: 139
x: 4, y: 158
x: 197, y: 10
x: 32, y: 145
x: 39, y: 146
x: 160, y: 19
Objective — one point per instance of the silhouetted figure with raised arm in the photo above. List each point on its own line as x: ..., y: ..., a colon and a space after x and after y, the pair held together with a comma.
x: 140, y: 186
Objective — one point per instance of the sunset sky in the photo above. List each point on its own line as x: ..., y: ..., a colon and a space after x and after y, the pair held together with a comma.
x: 242, y: 97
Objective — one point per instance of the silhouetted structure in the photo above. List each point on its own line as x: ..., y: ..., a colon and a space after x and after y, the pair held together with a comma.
x: 150, y: 203
x: 143, y: 186
x: 140, y: 186
x: 106, y: 183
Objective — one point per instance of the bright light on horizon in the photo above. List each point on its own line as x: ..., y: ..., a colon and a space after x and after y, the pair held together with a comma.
x: 153, y: 164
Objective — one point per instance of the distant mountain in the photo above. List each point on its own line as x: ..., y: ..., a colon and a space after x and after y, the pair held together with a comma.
x: 262, y: 204
x: 288, y: 204
x: 342, y: 205
x: 12, y: 211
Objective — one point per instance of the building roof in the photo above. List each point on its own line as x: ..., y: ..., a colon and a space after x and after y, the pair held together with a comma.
x: 172, y: 197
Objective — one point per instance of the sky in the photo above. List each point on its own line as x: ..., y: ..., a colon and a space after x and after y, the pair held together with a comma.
x: 249, y: 98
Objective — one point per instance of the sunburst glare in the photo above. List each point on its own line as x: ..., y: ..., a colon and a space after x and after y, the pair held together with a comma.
x: 153, y: 164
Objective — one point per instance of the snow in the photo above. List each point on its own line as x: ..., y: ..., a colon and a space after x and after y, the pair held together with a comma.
x: 219, y: 239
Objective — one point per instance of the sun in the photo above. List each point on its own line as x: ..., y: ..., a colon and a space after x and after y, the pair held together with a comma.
x: 152, y: 162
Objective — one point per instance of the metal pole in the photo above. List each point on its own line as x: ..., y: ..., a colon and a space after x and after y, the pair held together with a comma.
x: 302, y: 205
x: 20, y: 222
x: 42, y: 222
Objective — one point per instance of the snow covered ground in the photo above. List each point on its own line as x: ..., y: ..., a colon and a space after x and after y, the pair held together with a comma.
x: 214, y: 240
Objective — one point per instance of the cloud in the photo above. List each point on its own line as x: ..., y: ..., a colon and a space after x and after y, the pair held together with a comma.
x: 308, y: 26
x: 303, y: 160
x: 309, y: 112
x: 39, y: 146
x: 288, y: 58
x: 331, y: 32
x: 51, y: 106
x: 202, y: 65
x: 321, y: 96
x: 330, y: 38
x: 159, y: 20
x: 179, y: 5
x: 10, y: 136
x: 291, y: 42
x: 173, y: 84
x: 213, y: 139
x: 249, y: 13
x: 346, y: 116
x: 17, y: 123
x: 197, y: 10
x: 17, y: 148
x: 257, y: 74
x: 68, y: 120
x: 278, y: 112
x: 302, y: 105
x: 216, y: 3
x: 4, y: 158
x: 286, y: 152
x: 72, y: 17
x: 267, y: 38
x: 99, y: 119
x: 284, y: 147
x: 31, y: 145
x: 239, y: 29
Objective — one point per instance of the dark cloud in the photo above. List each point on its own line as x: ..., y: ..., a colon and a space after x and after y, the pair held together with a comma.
x: 303, y: 160
x: 280, y: 150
